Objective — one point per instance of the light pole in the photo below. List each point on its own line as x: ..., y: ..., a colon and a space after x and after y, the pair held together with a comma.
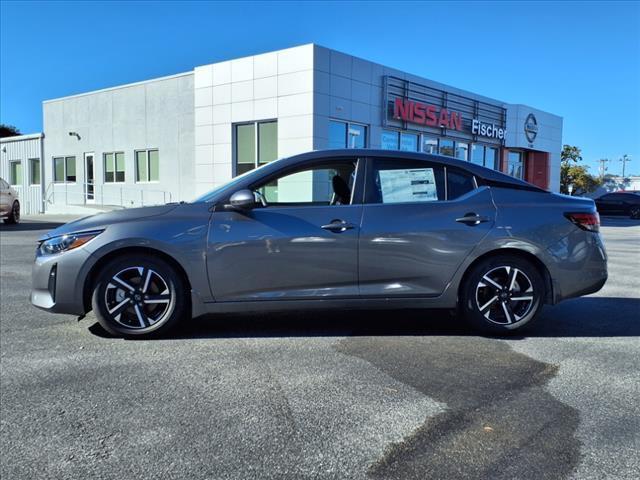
x: 625, y: 158
x: 603, y: 167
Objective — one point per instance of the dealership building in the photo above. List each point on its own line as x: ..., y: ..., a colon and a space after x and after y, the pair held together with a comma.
x: 173, y: 138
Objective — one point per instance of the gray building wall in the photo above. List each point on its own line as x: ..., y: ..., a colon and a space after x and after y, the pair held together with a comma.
x: 155, y: 114
x: 22, y: 149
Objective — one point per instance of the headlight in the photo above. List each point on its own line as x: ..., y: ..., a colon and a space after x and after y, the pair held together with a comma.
x: 67, y: 242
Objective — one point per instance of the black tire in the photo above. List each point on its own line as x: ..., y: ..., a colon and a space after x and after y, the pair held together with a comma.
x: 124, y: 306
x: 502, y: 311
x: 14, y: 215
x: 634, y: 213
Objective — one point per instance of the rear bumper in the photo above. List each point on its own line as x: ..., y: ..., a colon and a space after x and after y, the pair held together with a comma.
x: 579, y: 265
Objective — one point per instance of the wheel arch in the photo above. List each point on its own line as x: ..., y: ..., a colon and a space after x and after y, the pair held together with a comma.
x: 99, y: 265
x: 523, y: 254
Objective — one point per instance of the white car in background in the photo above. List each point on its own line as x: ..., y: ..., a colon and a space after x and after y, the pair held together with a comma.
x: 9, y: 203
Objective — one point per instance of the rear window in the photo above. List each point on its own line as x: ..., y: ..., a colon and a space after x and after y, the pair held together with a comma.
x: 458, y: 184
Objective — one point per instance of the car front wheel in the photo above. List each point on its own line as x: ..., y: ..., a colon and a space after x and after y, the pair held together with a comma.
x: 139, y: 296
x: 14, y: 215
x: 502, y: 294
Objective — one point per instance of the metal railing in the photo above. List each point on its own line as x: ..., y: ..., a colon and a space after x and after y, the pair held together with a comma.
x: 112, y: 195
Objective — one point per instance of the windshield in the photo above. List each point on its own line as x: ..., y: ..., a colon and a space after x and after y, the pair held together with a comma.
x: 207, y: 197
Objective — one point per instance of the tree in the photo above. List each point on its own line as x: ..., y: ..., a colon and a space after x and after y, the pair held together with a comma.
x: 8, y: 131
x: 570, y: 153
x: 573, y: 174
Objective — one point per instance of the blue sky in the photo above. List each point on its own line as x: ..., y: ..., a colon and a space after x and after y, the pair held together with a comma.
x: 580, y: 60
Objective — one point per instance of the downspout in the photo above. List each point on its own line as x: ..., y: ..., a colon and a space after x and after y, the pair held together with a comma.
x: 42, y: 188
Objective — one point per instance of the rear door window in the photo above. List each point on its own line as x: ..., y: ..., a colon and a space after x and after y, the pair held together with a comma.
x: 458, y: 183
x: 404, y: 181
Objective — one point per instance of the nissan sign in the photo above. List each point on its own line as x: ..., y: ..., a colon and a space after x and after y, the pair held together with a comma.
x: 531, y: 127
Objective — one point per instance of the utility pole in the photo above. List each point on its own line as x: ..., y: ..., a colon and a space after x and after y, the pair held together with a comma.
x: 602, y: 167
x: 625, y: 158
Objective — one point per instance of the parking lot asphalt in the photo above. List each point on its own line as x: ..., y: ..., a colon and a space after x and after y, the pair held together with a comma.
x: 348, y: 395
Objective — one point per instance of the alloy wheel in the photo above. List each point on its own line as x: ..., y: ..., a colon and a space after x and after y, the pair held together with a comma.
x: 138, y: 297
x: 504, y: 295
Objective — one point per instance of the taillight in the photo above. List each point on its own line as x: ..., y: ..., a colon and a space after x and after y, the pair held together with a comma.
x: 586, y: 221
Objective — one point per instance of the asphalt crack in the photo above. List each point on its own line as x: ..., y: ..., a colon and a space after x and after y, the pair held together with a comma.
x: 501, y: 423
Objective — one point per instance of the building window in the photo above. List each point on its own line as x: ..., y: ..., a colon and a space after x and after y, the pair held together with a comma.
x: 347, y: 135
x: 34, y: 171
x: 64, y: 169
x: 147, y: 166
x: 485, y: 156
x: 515, y: 165
x: 446, y: 147
x: 462, y: 151
x: 255, y: 144
x: 491, y: 158
x: 267, y: 142
x: 15, y: 173
x: 409, y: 142
x: 477, y: 154
x: 114, y: 167
x: 389, y: 140
x: 430, y: 145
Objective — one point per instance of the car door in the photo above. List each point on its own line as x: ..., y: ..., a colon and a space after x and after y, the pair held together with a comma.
x: 419, y: 222
x: 303, y: 244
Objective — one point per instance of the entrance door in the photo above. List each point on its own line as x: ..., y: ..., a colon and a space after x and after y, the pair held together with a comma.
x: 89, y: 185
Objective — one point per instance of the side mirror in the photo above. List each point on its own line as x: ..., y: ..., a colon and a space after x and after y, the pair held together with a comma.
x: 243, y: 200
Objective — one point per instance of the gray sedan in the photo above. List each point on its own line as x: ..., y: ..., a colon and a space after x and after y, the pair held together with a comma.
x: 330, y: 229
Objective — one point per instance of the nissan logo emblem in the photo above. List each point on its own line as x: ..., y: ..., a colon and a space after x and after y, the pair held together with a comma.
x: 531, y: 127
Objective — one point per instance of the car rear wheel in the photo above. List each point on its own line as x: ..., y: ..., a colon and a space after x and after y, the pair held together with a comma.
x: 139, y: 296
x: 14, y: 215
x: 635, y: 213
x: 502, y: 294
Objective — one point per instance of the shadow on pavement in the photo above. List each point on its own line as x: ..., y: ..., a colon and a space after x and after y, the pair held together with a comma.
x: 582, y: 317
x: 29, y: 226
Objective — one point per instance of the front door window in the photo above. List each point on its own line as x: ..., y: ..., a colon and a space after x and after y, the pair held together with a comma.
x: 330, y: 184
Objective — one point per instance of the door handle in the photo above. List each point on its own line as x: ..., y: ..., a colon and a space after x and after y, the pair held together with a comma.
x: 338, y: 226
x: 472, y: 219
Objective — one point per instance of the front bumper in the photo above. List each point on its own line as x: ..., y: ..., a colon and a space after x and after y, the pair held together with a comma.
x: 58, y: 281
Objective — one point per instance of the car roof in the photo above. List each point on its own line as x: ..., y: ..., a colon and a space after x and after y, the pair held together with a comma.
x: 489, y: 175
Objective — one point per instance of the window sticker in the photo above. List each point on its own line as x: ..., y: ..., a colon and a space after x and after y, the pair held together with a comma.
x: 415, y: 185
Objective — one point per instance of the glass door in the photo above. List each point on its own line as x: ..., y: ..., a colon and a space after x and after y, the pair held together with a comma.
x: 89, y: 184
x: 515, y: 166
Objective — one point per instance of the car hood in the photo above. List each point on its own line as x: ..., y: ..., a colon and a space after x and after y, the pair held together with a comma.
x: 103, y: 220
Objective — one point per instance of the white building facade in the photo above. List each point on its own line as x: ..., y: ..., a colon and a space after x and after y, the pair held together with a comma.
x: 176, y: 137
x: 21, y: 166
